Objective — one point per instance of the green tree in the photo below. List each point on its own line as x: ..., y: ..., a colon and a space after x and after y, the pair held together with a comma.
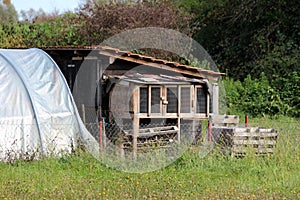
x: 31, y: 15
x: 245, y: 36
x: 8, y: 13
x: 61, y: 31
x: 100, y: 21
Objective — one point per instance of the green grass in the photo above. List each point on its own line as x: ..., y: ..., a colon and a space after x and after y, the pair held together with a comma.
x: 190, y: 177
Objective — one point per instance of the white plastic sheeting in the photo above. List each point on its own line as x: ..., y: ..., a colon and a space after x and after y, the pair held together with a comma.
x: 38, y: 116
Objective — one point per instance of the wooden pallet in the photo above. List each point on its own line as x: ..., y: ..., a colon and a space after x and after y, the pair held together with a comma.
x: 261, y: 140
x: 239, y: 141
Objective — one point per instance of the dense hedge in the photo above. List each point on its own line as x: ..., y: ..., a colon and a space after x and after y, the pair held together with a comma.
x: 60, y: 32
x: 259, y: 96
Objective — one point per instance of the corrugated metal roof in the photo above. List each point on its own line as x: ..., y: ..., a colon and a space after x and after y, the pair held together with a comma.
x: 157, y: 79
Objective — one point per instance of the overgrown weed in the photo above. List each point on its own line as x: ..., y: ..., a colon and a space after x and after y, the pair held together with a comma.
x: 215, y: 176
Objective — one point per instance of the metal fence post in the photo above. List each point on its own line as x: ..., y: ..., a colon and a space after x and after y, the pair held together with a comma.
x: 101, y: 135
x: 246, y: 121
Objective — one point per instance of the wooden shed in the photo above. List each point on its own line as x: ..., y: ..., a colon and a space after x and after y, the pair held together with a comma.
x: 150, y: 97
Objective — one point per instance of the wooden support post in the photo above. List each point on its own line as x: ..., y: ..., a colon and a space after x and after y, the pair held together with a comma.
x: 135, y: 135
x: 207, y: 104
x: 178, y: 113
x: 179, y: 101
x: 136, y: 121
x: 163, y: 95
x: 99, y: 90
x: 215, y: 98
x: 149, y: 100
x: 179, y: 131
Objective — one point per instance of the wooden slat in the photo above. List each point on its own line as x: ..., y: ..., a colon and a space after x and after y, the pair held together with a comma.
x: 150, y: 132
x: 225, y: 119
x: 163, y: 128
x: 246, y: 130
x: 136, y: 121
x: 239, y: 149
x: 256, y: 142
x: 158, y: 133
x: 154, y: 129
x: 255, y: 134
x: 266, y: 130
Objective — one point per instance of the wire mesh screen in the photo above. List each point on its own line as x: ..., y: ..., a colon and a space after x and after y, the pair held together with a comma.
x: 120, y: 101
x: 143, y: 100
x: 88, y: 114
x: 93, y: 128
x: 191, y: 130
x: 201, y: 101
x: 158, y: 134
x: 211, y: 103
x: 155, y: 99
x: 172, y: 98
x: 185, y: 101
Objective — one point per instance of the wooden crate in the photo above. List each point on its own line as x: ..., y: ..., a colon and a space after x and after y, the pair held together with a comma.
x: 239, y: 141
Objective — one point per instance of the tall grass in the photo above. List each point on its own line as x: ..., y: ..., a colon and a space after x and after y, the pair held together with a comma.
x: 215, y: 176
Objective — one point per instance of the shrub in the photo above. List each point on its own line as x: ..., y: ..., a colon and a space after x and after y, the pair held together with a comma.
x: 257, y: 97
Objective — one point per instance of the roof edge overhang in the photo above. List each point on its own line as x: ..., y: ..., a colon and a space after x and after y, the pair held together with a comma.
x: 169, y: 66
x: 139, y: 59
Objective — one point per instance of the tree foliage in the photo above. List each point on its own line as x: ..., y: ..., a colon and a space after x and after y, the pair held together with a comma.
x: 251, y: 36
x: 100, y: 21
x: 8, y: 13
x: 259, y: 96
x: 37, y: 16
x: 255, y: 42
x: 247, y: 38
x: 59, y: 32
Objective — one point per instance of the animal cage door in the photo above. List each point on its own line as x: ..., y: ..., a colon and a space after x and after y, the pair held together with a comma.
x: 172, y: 100
x: 150, y: 100
x: 179, y: 100
x: 166, y: 101
x: 201, y: 101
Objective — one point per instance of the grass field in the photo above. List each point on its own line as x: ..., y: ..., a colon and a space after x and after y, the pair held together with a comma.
x: 190, y: 177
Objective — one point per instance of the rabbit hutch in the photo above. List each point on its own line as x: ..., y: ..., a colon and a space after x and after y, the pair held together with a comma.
x: 140, y: 99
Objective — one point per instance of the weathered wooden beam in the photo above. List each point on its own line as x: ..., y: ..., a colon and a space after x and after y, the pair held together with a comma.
x: 196, y: 72
x: 136, y: 120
